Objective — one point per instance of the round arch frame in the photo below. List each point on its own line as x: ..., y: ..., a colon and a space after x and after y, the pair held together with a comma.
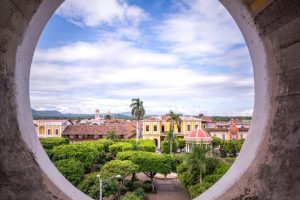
x: 268, y: 166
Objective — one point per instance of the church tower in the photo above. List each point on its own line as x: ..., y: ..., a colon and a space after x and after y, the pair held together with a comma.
x: 97, y: 114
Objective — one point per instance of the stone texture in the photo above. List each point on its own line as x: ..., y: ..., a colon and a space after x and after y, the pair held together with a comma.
x: 20, y: 175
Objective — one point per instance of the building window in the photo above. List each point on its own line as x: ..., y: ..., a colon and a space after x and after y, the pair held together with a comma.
x: 188, y: 127
x: 179, y: 129
x: 196, y: 126
x: 56, y: 131
x: 223, y: 136
x: 49, y: 131
x: 234, y: 136
x: 155, y: 128
x: 147, y: 128
x: 163, y: 128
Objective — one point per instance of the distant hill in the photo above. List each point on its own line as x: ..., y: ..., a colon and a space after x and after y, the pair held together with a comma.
x: 54, y: 114
x: 227, y: 118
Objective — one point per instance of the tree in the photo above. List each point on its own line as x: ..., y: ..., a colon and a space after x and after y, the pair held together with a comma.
x: 196, y: 160
x: 49, y: 143
x: 174, y: 119
x: 181, y: 143
x: 112, y: 135
x: 137, y: 112
x: 72, y: 169
x: 90, y: 186
x: 119, y: 146
x: 84, y: 152
x: 107, y: 115
x: 145, y: 145
x: 118, y: 167
x: 165, y: 145
x: 149, y: 163
x: 201, y: 115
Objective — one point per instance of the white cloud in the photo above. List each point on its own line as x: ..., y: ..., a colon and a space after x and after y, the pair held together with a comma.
x: 93, y: 13
x: 200, y: 28
x: 110, y: 51
x: 199, y: 62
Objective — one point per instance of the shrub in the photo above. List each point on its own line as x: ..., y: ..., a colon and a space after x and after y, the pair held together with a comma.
x: 131, y: 196
x: 128, y: 184
x: 119, y: 146
x: 72, y: 169
x: 165, y: 146
x: 146, y: 145
x: 196, y: 190
x: 139, y: 191
x: 181, y: 143
x: 106, y: 143
x: 50, y: 143
x: 147, y: 186
x: 135, y: 185
x: 123, y: 190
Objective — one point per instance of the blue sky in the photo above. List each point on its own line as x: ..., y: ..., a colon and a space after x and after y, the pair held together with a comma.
x: 186, y: 56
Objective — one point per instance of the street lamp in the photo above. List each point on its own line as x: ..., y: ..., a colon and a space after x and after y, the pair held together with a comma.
x: 100, y: 183
x: 100, y: 186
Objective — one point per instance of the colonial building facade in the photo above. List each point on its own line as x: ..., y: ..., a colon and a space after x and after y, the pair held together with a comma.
x: 50, y: 128
x: 156, y: 128
x: 225, y: 131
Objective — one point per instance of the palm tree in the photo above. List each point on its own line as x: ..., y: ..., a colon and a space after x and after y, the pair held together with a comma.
x: 112, y: 135
x: 196, y: 160
x: 173, y: 119
x: 171, y: 137
x: 137, y: 112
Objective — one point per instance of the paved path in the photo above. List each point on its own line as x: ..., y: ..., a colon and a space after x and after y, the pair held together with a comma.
x: 168, y: 189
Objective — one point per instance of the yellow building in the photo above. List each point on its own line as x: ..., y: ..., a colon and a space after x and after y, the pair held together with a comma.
x: 156, y: 128
x: 50, y: 128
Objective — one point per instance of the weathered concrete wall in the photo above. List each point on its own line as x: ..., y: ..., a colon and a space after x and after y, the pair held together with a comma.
x: 25, y: 170
x: 274, y: 170
x: 268, y: 166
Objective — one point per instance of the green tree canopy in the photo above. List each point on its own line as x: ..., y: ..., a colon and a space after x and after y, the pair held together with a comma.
x: 166, y: 145
x: 90, y: 186
x: 118, y: 167
x: 148, y: 162
x: 112, y: 135
x: 50, y: 143
x: 85, y: 152
x: 72, y: 169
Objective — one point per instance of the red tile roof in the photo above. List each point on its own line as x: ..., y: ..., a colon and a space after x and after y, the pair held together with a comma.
x: 198, y: 135
x: 120, y: 129
x: 207, y: 120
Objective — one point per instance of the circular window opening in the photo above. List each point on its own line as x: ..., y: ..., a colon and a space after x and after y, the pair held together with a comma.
x: 177, y: 76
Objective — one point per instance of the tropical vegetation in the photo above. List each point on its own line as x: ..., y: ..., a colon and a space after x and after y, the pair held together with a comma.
x: 137, y: 112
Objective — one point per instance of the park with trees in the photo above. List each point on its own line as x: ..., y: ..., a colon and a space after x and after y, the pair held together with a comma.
x: 118, y: 161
